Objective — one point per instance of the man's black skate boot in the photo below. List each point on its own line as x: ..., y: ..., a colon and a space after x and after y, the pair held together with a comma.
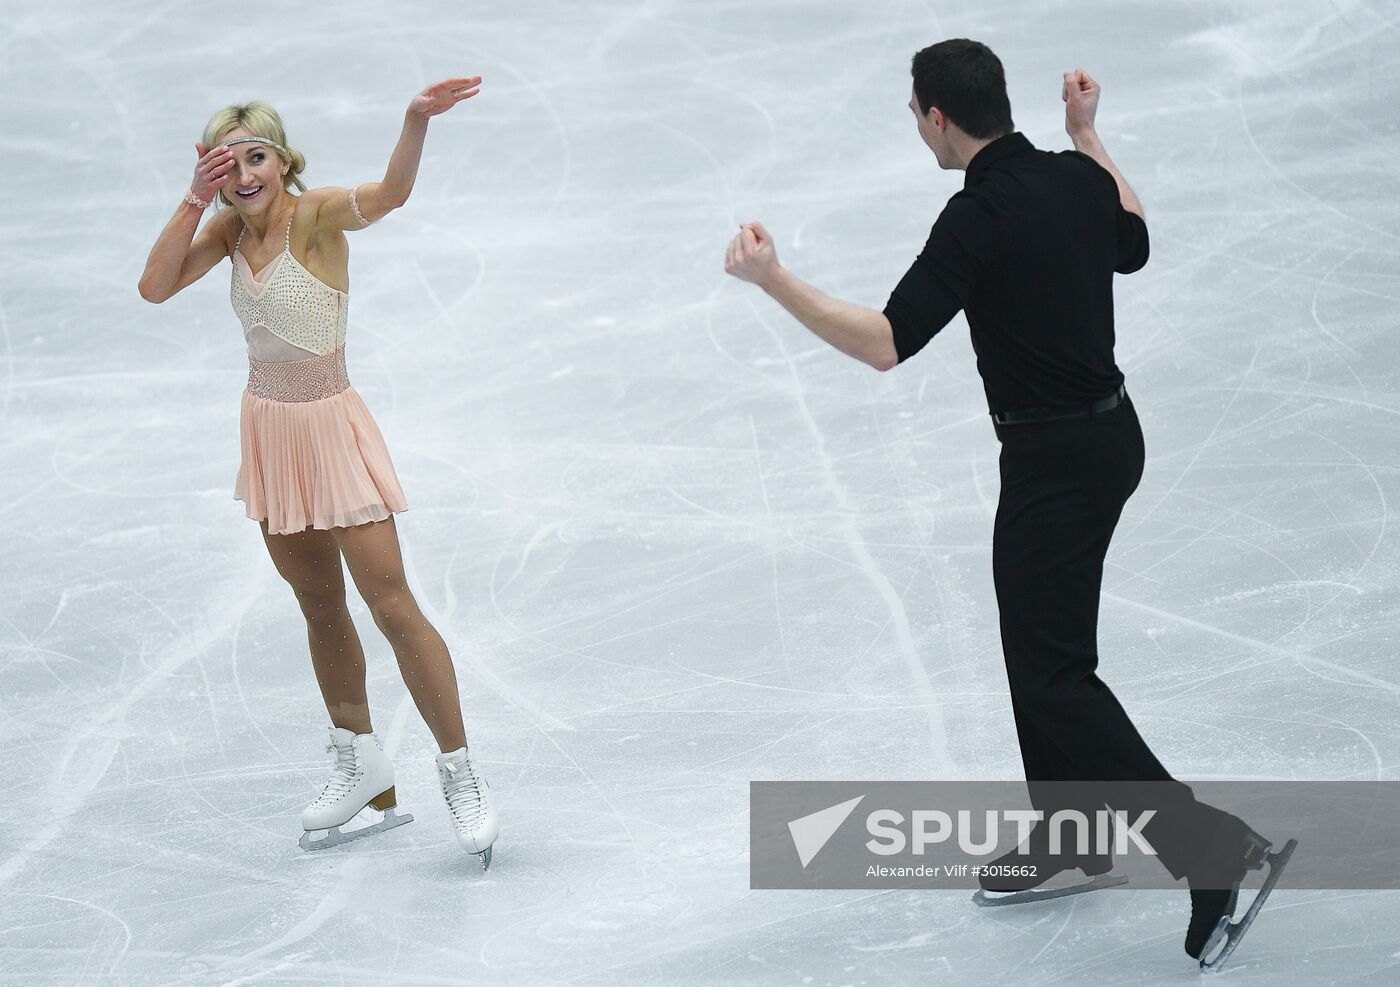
x: 1215, y: 879
x: 1017, y: 871
x: 1015, y: 875
x: 1232, y: 852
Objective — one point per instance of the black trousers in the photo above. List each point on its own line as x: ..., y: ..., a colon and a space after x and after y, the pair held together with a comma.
x: 1063, y: 487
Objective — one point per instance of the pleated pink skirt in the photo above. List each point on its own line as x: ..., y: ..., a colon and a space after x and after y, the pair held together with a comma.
x: 312, y: 456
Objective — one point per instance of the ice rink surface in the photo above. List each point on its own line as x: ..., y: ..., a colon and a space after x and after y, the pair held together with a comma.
x: 675, y: 542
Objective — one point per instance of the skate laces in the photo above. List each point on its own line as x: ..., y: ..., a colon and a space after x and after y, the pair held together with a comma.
x: 342, y: 774
x: 463, y: 791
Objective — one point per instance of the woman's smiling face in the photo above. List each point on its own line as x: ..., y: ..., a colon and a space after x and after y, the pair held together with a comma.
x: 257, y: 170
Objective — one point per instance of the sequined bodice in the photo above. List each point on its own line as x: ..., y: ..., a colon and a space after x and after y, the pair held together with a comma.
x: 291, y: 304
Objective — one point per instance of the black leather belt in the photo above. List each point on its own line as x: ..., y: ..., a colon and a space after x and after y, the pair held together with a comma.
x: 1028, y: 415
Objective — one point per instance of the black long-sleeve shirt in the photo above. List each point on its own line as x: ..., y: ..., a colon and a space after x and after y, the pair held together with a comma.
x: 1028, y: 248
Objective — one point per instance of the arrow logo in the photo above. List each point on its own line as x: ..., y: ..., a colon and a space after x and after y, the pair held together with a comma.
x: 811, y: 832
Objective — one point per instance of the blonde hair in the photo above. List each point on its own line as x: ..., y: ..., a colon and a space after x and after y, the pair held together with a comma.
x: 259, y: 119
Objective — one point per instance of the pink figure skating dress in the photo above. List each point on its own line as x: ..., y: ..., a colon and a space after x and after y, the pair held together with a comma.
x: 312, y: 457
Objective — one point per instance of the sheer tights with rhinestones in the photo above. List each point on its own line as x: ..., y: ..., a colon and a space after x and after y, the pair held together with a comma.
x: 310, y: 562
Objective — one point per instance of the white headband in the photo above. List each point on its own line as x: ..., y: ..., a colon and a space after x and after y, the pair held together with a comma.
x: 257, y: 140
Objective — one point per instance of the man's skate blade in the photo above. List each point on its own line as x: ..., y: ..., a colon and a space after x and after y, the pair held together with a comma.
x: 989, y: 899
x: 486, y: 859
x: 1233, y: 932
x: 336, y: 836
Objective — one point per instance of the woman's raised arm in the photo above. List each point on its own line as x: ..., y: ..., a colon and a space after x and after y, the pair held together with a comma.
x: 354, y: 209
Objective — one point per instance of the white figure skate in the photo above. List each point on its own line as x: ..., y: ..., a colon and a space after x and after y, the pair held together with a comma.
x: 473, y: 815
x: 358, y: 800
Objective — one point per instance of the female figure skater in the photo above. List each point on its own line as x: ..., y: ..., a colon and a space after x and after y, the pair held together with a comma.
x: 315, y: 471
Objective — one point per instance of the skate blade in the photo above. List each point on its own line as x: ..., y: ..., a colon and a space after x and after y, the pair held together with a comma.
x: 989, y: 899
x: 339, y: 836
x: 1233, y: 932
x: 486, y: 859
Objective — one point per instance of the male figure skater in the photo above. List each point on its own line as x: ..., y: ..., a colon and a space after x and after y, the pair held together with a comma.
x: 1028, y: 249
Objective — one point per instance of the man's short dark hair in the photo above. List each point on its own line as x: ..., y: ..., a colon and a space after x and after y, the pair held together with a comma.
x: 965, y: 80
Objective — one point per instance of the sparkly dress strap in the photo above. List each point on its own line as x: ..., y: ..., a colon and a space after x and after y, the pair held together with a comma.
x: 241, y: 230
